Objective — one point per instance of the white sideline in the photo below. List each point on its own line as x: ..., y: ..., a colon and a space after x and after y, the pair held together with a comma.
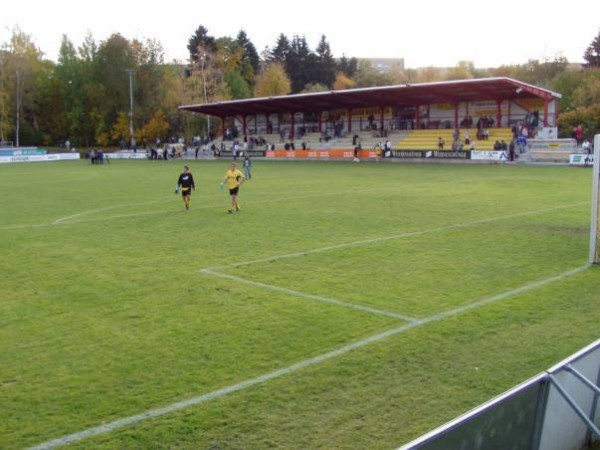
x: 318, y: 298
x: 120, y: 423
x: 391, y: 237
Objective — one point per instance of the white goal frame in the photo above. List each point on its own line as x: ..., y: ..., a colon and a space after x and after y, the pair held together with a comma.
x: 594, y: 239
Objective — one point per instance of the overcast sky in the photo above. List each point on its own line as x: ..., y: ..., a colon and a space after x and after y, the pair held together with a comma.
x: 424, y: 33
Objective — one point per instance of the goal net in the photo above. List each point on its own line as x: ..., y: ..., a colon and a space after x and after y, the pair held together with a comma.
x: 595, y: 222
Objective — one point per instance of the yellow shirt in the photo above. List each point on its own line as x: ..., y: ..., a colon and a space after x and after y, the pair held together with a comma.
x: 233, y: 178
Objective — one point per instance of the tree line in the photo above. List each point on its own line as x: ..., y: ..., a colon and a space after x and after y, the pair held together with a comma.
x: 84, y: 97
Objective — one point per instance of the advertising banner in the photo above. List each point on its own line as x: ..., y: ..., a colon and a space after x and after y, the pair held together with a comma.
x: 432, y: 154
x: 490, y: 155
x: 39, y: 158
x: 23, y: 151
x: 580, y: 159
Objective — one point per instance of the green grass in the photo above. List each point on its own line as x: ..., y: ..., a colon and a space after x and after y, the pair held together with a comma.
x: 105, y: 312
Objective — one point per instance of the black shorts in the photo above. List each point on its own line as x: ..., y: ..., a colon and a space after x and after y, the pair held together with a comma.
x: 185, y: 192
x: 234, y: 191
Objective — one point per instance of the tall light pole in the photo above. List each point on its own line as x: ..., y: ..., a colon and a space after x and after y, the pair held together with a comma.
x: 130, y: 72
x: 203, y: 59
x: 18, y: 102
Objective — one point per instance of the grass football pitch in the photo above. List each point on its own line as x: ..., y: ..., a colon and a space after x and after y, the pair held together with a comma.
x: 346, y: 306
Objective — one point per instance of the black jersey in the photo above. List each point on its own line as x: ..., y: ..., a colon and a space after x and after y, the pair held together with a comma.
x: 186, y: 181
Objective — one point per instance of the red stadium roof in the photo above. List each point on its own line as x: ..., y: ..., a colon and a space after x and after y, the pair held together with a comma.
x: 398, y: 95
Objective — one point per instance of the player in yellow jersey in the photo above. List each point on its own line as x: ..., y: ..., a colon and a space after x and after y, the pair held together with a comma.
x: 234, y: 179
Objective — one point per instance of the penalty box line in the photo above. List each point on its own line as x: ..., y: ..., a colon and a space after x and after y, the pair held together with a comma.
x: 194, y: 401
x: 389, y: 238
x: 216, y: 271
x: 318, y: 298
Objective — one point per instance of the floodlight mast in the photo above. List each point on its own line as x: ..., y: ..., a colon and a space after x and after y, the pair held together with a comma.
x: 130, y: 72
x: 203, y: 60
x: 594, y: 251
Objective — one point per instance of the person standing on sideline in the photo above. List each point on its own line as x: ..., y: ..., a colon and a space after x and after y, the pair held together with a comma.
x: 186, y: 183
x: 247, y: 167
x: 234, y: 179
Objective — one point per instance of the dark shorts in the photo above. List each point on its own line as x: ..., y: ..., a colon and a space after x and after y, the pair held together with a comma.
x: 234, y: 191
x: 186, y: 192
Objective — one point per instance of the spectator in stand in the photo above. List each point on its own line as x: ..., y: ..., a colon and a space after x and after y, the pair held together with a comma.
x: 467, y: 137
x: 440, y: 143
x: 456, y: 135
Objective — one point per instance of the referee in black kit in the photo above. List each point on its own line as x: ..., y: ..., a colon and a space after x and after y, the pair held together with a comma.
x: 186, y: 183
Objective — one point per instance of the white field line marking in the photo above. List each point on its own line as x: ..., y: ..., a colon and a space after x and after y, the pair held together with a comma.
x: 392, y: 237
x: 66, y: 220
x: 318, y: 298
x: 107, y: 208
x: 152, y: 413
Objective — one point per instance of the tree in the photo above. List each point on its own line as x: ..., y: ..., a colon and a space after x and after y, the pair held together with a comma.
x: 115, y: 58
x: 199, y: 43
x: 462, y: 71
x: 300, y: 64
x: 368, y: 76
x: 587, y: 92
x: 157, y: 127
x: 238, y: 87
x: 314, y: 87
x: 325, y: 65
x: 343, y: 82
x: 592, y: 53
x: 588, y: 118
x: 21, y: 70
x: 120, y: 130
x: 250, y: 55
x: 348, y: 66
x: 273, y: 81
x: 281, y: 50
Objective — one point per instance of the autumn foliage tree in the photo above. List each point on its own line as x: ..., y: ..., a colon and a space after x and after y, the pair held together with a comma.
x: 272, y: 81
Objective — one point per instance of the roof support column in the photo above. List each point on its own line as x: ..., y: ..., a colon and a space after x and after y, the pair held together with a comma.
x: 268, y: 124
x: 546, y: 104
x: 320, y: 121
x: 418, y: 118
x: 349, y: 112
x: 499, y: 113
x: 223, y: 125
x: 293, y: 123
x: 244, y: 125
x: 381, y: 112
x: 456, y: 115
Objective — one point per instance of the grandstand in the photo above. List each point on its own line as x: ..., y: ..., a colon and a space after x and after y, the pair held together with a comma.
x: 412, y: 117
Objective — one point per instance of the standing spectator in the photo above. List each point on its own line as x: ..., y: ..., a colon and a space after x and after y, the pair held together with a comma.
x: 440, y: 143
x: 586, y: 147
x: 511, y: 150
x: 247, y: 167
x: 579, y: 134
x: 522, y: 142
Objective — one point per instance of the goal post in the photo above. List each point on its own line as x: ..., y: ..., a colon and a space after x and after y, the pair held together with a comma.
x: 595, y: 226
